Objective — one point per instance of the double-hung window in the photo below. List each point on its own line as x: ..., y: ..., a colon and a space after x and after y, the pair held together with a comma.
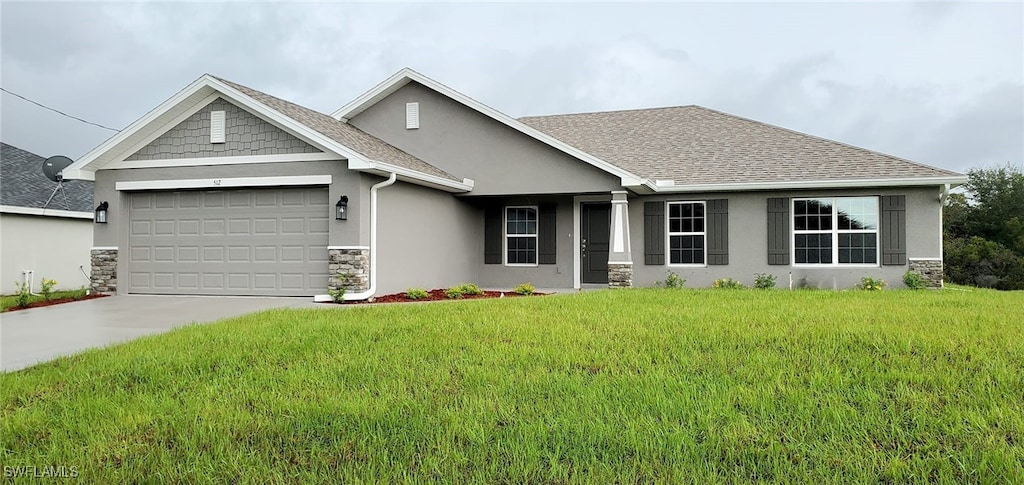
x: 834, y: 231
x: 521, y: 235
x: 686, y: 233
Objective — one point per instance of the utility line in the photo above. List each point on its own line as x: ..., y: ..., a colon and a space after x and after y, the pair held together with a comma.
x: 59, y: 111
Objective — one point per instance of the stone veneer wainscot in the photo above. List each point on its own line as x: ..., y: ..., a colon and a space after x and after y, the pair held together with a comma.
x: 104, y: 270
x: 348, y: 268
x: 931, y: 269
x: 620, y: 275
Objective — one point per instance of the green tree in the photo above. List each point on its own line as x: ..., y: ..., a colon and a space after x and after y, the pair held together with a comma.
x: 984, y: 229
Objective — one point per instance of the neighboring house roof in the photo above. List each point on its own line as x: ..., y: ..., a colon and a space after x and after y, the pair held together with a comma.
x: 694, y: 146
x: 363, y: 151
x: 370, y: 146
x: 23, y: 185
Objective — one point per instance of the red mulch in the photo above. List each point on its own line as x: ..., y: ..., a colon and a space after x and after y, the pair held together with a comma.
x: 56, y: 301
x: 437, y: 295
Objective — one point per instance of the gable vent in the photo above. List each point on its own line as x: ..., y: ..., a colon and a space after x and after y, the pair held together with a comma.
x: 412, y: 116
x: 216, y: 127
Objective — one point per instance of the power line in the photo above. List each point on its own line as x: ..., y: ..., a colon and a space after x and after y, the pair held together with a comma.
x: 59, y: 111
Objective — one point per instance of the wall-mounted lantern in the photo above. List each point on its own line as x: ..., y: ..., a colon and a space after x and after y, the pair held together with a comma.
x: 101, y: 213
x: 342, y: 209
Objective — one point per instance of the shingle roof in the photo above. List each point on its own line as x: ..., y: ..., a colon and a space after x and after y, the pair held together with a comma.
x: 694, y: 145
x: 368, y: 145
x: 23, y: 184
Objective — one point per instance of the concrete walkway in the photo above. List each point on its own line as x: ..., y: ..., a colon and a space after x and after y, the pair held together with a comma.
x: 28, y: 337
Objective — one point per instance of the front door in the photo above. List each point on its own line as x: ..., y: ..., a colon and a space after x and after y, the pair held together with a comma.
x: 596, y: 221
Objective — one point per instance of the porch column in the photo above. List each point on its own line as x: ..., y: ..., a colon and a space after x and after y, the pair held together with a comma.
x: 620, y: 257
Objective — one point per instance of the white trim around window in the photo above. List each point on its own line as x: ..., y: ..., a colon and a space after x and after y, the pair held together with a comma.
x: 690, y: 225
x: 525, y: 234
x: 864, y: 210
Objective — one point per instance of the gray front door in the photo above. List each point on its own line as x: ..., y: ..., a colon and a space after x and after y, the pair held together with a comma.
x: 228, y: 242
x: 596, y: 230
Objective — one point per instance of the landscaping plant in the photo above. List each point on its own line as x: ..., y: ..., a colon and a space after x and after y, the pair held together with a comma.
x: 728, y: 284
x: 416, y: 293
x: 524, y: 289
x: 337, y: 294
x: 46, y: 288
x: 24, y: 294
x: 672, y: 281
x: 914, y: 280
x: 871, y: 284
x: 764, y: 281
x: 454, y: 293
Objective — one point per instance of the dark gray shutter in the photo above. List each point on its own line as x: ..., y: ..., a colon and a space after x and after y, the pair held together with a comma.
x: 492, y: 235
x: 546, y: 234
x: 778, y: 230
x: 717, y: 216
x: 894, y: 230
x: 654, y: 233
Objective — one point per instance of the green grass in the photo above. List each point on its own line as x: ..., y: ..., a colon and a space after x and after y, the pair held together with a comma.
x: 11, y: 301
x: 612, y: 386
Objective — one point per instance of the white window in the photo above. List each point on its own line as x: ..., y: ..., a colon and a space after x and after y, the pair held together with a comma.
x: 686, y: 233
x: 521, y: 235
x: 216, y: 127
x: 835, y: 231
x: 412, y: 116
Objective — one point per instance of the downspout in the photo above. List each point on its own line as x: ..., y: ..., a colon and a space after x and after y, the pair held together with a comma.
x: 362, y: 295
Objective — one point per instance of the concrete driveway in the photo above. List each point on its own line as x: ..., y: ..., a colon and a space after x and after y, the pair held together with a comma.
x: 28, y: 337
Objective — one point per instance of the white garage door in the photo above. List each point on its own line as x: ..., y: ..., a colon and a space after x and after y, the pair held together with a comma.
x: 229, y: 242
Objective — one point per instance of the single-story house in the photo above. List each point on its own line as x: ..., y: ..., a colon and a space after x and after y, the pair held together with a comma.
x: 226, y: 190
x: 38, y: 240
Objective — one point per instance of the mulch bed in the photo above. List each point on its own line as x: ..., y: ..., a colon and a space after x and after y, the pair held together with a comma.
x: 438, y: 295
x: 55, y: 301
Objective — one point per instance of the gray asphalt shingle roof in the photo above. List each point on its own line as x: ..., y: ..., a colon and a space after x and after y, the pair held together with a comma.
x: 23, y: 184
x: 694, y: 145
x: 366, y: 144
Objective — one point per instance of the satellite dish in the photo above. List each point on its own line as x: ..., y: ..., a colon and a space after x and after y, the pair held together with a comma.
x: 53, y: 166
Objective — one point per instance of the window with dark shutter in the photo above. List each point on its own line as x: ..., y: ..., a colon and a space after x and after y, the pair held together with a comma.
x: 718, y: 231
x: 894, y: 230
x: 778, y: 231
x: 654, y: 233
x: 546, y: 235
x: 492, y: 235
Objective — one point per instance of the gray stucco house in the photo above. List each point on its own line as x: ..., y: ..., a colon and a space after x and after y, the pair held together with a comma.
x: 226, y: 190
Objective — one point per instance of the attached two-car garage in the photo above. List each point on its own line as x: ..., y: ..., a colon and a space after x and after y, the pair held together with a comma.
x: 256, y: 241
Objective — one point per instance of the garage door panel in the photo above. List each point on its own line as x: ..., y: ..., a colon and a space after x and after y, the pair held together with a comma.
x: 231, y: 242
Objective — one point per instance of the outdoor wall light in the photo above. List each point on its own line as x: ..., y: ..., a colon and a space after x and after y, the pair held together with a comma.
x: 101, y: 213
x: 342, y: 209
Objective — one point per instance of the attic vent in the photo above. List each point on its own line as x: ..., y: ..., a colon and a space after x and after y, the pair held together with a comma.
x: 412, y: 116
x: 216, y: 127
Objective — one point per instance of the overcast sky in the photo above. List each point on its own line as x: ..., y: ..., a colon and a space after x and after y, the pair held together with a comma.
x: 938, y: 83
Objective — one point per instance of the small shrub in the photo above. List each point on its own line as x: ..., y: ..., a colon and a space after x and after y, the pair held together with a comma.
x: 24, y: 294
x: 672, y: 281
x: 470, y: 289
x: 525, y: 289
x: 764, y: 281
x: 454, y: 292
x: 337, y: 294
x: 416, y: 293
x: 46, y: 288
x: 728, y: 283
x: 871, y: 284
x: 914, y: 281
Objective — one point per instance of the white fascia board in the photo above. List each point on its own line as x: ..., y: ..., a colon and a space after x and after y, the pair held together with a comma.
x: 222, y: 183
x: 286, y: 122
x: 82, y: 165
x: 811, y: 184
x: 204, y: 161
x: 35, y: 211
x: 412, y: 176
x: 401, y: 78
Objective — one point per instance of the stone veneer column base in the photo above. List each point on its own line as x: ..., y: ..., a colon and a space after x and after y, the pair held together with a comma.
x: 349, y: 269
x: 931, y: 269
x: 620, y: 275
x: 104, y: 271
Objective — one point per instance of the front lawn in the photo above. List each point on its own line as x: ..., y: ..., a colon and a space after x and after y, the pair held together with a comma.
x: 611, y: 386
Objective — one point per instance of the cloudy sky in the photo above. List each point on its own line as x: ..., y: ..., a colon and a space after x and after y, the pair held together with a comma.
x: 939, y: 83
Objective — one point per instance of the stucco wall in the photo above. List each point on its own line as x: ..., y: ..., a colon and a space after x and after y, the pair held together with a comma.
x: 748, y: 242
x: 467, y: 144
x: 427, y: 238
x: 244, y: 134
x: 558, y: 275
x: 54, y: 247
